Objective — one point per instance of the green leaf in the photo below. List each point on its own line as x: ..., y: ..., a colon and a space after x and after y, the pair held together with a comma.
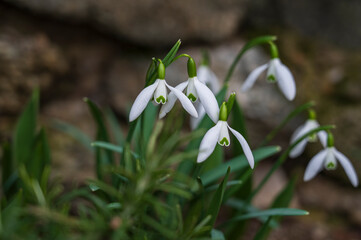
x: 238, y: 163
x: 115, y: 127
x: 74, y: 132
x: 239, y: 124
x: 282, y: 200
x: 152, y: 74
x: 168, y: 233
x: 25, y: 131
x: 103, y: 157
x: 7, y: 169
x: 41, y: 156
x: 217, y: 199
x: 270, y: 212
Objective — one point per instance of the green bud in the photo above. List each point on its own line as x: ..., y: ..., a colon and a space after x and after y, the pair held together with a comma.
x: 191, y: 67
x: 274, y: 50
x: 161, y: 71
x: 311, y: 114
x: 230, y: 103
x: 330, y: 141
x: 223, y: 112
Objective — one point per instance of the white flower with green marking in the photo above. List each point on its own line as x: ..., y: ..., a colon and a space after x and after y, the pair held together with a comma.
x: 194, y: 90
x: 309, y: 125
x: 219, y: 134
x: 158, y: 91
x: 327, y: 159
x: 277, y: 72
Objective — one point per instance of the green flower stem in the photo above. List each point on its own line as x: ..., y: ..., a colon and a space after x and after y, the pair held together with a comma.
x: 254, y: 42
x: 274, y: 50
x: 330, y: 140
x: 290, y: 116
x: 284, y: 156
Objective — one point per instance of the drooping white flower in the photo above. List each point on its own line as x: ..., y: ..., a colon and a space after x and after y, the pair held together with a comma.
x: 327, y: 158
x: 219, y: 134
x: 194, y: 90
x: 277, y: 72
x: 158, y: 90
x: 207, y: 76
x: 309, y: 125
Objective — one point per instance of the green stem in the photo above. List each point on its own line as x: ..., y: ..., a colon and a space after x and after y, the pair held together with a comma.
x: 249, y: 45
x: 290, y: 116
x: 284, y: 156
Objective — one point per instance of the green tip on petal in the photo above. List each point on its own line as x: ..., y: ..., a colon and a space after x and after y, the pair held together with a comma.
x: 191, y: 67
x: 224, y: 142
x: 271, y: 78
x: 223, y: 113
x: 192, y: 97
x: 330, y: 140
x: 330, y: 166
x: 161, y: 99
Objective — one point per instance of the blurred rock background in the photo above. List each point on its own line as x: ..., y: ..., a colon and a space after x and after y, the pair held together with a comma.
x: 101, y: 50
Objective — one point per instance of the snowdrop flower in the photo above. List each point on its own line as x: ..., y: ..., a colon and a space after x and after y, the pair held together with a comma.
x: 309, y: 125
x: 327, y: 159
x: 219, y: 134
x: 158, y: 90
x: 276, y: 72
x: 195, y: 90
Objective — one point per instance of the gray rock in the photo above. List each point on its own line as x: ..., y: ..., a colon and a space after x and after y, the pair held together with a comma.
x: 331, y: 20
x: 150, y: 22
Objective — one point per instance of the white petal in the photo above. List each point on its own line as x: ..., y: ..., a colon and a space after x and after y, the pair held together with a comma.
x: 209, y: 142
x: 246, y: 149
x: 207, y: 76
x: 252, y: 77
x: 322, y: 135
x: 201, y: 112
x: 349, y: 169
x: 208, y: 100
x: 224, y: 135
x: 315, y: 165
x: 171, y: 100
x: 186, y: 103
x: 142, y: 100
x: 285, y: 81
x: 302, y: 130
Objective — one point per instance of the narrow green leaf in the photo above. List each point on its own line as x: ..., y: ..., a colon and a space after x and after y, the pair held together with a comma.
x: 74, y: 132
x: 103, y: 157
x: 238, y: 163
x: 25, y: 130
x: 217, y: 199
x: 115, y: 127
x: 41, y: 156
x: 168, y: 233
x: 7, y: 168
x: 239, y: 124
x: 270, y: 212
x: 289, y: 117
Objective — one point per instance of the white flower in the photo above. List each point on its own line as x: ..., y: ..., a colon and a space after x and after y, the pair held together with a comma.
x: 207, y: 76
x: 327, y: 159
x: 309, y: 125
x: 158, y: 90
x: 195, y: 89
x: 219, y: 133
x: 277, y: 72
